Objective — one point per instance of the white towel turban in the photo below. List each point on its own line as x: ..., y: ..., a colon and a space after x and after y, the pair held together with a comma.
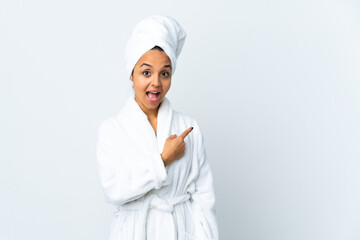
x: 158, y: 30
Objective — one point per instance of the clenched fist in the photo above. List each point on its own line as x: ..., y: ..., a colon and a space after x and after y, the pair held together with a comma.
x: 174, y: 147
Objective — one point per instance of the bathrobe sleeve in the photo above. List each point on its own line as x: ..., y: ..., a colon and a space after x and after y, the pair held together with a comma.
x: 124, y: 177
x: 204, y: 195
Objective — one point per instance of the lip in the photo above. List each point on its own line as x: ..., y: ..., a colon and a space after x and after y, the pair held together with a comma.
x: 153, y: 101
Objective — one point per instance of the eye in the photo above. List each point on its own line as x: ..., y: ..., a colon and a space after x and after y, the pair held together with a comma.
x: 165, y: 74
x: 146, y: 73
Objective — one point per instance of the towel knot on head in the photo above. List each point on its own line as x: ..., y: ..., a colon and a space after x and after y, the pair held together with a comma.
x: 158, y: 30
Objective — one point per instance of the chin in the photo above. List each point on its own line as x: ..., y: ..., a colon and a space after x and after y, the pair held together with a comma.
x: 154, y: 106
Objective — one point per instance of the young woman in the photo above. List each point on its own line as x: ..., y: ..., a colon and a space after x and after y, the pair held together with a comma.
x: 152, y: 159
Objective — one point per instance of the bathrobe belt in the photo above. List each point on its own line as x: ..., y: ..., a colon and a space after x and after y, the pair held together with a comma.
x: 152, y: 201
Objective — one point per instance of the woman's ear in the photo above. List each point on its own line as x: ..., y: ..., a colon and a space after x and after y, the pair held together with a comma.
x: 131, y: 76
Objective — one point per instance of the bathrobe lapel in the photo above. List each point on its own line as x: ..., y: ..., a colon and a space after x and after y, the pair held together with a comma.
x: 164, y: 120
x: 140, y: 129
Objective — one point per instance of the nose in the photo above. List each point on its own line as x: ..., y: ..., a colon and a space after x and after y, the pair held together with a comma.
x: 155, y: 81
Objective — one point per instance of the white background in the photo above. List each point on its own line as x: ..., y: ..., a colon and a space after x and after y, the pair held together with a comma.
x: 274, y: 85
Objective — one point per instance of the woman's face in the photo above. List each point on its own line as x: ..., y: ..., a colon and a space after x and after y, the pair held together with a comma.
x: 151, y: 79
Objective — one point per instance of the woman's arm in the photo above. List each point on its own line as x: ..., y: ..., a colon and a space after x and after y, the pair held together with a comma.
x: 125, y: 177
x: 204, y: 196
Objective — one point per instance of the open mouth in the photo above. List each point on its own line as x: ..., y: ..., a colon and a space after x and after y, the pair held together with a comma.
x: 153, y: 96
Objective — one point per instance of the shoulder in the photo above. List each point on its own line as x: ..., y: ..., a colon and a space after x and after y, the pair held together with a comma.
x: 108, y: 125
x: 112, y: 122
x: 188, y: 121
x: 183, y: 117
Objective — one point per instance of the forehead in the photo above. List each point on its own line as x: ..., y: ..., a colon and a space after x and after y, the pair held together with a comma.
x: 155, y: 57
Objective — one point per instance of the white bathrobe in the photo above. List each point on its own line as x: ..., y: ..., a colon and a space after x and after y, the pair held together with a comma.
x: 151, y: 201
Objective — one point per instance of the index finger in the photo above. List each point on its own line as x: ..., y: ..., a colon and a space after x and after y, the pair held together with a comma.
x: 186, y: 132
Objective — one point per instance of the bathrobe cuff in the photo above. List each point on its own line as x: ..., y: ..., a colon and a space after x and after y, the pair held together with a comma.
x: 158, y: 170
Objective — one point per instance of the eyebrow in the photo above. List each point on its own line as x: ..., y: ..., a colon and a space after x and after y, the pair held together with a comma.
x: 145, y: 64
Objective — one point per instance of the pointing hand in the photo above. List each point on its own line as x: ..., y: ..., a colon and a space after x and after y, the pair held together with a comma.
x: 174, y: 147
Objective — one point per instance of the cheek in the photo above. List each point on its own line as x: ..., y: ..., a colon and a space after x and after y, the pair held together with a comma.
x: 167, y: 85
x: 139, y: 84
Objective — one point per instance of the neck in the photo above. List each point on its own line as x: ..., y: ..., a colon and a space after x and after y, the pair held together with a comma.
x: 151, y: 114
